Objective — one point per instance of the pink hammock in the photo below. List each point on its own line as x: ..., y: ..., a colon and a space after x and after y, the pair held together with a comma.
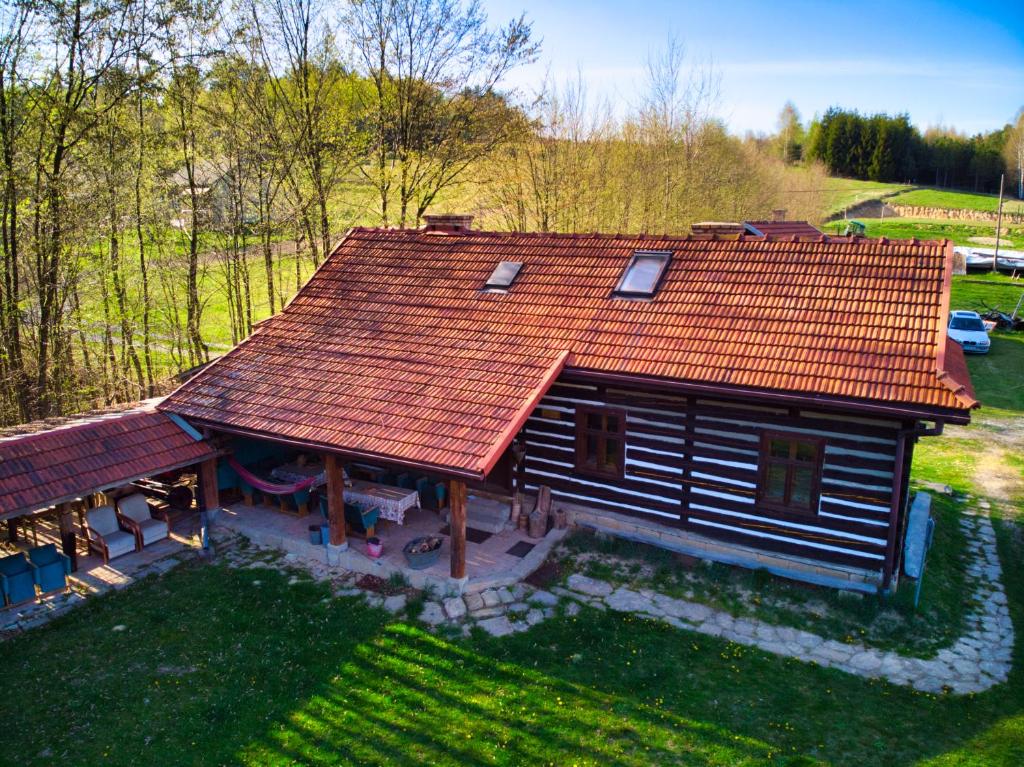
x: 269, y: 487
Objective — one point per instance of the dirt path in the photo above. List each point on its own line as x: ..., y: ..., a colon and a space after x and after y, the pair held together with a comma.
x: 995, y: 477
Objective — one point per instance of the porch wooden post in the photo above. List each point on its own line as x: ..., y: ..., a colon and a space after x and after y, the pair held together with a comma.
x: 458, y: 526
x: 335, y: 499
x: 66, y: 526
x: 208, y: 484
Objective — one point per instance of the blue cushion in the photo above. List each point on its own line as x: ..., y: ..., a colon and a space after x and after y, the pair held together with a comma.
x: 17, y: 579
x: 52, y: 575
x: 14, y: 564
x: 44, y: 555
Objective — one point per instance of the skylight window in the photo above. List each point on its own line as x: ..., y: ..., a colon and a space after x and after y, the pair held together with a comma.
x: 643, y: 273
x: 504, y: 275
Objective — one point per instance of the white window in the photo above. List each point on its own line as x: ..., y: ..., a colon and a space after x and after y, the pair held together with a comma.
x: 643, y: 273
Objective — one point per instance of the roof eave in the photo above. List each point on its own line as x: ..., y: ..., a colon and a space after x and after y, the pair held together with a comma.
x: 902, y: 411
x: 472, y: 475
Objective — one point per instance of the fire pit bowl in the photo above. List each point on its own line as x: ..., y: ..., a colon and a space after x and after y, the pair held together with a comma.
x: 422, y: 552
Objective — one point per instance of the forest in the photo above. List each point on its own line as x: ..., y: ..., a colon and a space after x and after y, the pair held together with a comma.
x: 173, y: 170
x: 884, y: 148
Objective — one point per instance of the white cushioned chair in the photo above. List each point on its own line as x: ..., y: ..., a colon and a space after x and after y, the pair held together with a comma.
x: 135, y: 515
x: 105, y: 536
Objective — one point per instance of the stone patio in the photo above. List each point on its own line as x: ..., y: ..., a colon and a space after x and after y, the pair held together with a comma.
x: 488, y: 563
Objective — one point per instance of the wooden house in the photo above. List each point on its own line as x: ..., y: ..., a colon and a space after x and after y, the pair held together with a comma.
x: 749, y: 399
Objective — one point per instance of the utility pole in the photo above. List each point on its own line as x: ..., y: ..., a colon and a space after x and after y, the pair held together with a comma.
x: 999, y: 221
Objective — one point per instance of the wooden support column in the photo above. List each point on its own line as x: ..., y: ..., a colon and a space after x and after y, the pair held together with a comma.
x: 457, y: 508
x: 209, y: 493
x: 66, y: 525
x: 335, y: 499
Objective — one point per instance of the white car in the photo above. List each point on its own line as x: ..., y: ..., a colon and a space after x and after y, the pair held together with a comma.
x: 968, y: 330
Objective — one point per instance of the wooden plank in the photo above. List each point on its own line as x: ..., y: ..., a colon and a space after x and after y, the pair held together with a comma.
x: 458, y: 528
x: 208, y: 484
x: 335, y: 499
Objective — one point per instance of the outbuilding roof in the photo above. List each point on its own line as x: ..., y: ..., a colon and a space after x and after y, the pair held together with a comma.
x: 782, y: 228
x: 393, y: 349
x: 85, y: 455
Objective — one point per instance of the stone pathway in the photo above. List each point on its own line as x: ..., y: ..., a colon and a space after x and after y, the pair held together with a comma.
x: 980, y: 659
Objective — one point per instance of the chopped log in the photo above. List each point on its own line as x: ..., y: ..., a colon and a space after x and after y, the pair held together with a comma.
x: 538, y: 524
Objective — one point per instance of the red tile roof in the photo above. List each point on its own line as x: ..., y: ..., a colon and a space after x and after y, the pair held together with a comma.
x: 782, y: 228
x: 56, y: 465
x: 393, y: 350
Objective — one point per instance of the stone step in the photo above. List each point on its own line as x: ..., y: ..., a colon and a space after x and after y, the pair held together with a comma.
x: 486, y: 514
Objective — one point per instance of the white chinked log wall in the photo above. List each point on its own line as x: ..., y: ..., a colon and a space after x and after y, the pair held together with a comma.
x: 694, y: 472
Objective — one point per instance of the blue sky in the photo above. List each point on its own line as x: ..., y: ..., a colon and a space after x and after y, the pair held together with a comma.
x: 950, y: 63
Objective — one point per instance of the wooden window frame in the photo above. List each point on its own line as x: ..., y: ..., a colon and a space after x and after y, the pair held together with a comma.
x: 766, y: 460
x: 583, y: 431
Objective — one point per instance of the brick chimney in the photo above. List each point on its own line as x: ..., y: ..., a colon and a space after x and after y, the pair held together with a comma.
x: 779, y: 214
x: 448, y: 223
x: 718, y: 227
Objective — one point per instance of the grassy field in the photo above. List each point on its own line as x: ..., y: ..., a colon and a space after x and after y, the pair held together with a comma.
x: 929, y: 229
x: 843, y: 193
x: 945, y: 198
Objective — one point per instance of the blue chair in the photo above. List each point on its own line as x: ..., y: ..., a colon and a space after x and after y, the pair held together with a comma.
x: 301, y: 499
x: 17, y: 579
x: 358, y: 521
x: 52, y: 568
x: 425, y: 490
x: 441, y: 490
x: 361, y: 522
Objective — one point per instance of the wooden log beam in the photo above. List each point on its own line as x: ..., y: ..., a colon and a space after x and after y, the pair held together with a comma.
x: 458, y: 526
x: 208, y: 490
x: 335, y: 499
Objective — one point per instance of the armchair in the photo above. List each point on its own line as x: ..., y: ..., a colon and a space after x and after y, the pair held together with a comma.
x: 135, y: 515
x: 17, y: 579
x: 52, y: 568
x: 359, y: 522
x: 105, y: 536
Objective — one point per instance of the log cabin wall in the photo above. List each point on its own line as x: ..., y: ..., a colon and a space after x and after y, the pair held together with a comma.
x: 693, y: 463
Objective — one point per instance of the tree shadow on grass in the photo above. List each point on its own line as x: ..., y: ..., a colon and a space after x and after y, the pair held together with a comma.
x: 219, y: 666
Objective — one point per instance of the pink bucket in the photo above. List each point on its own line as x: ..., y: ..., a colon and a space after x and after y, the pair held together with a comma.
x: 374, y: 548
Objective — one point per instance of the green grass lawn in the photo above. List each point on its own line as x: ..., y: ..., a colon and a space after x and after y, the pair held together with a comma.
x: 928, y: 229
x: 222, y: 666
x: 998, y: 376
x: 845, y: 617
x: 945, y: 198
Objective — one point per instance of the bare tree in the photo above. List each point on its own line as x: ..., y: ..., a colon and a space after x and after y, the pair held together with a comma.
x: 435, y: 66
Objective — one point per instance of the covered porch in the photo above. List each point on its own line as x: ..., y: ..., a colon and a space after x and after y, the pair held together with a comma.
x: 324, y: 507
x: 480, y: 544
x: 491, y: 559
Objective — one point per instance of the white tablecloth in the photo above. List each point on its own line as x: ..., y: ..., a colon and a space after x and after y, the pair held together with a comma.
x: 392, y: 501
x: 293, y: 473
